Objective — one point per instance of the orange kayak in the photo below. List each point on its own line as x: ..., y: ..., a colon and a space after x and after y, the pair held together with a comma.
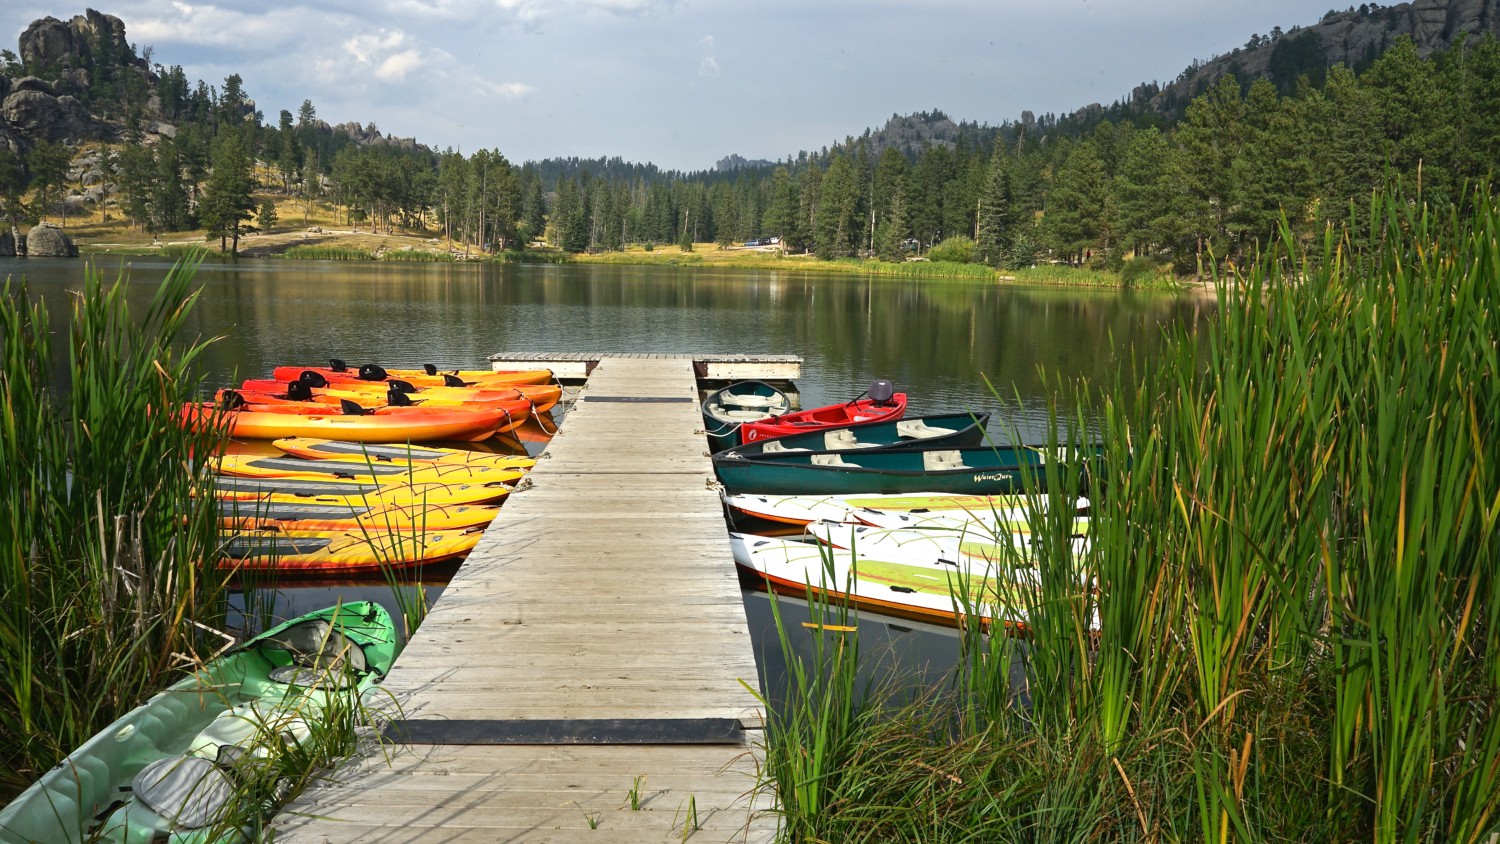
x: 517, y: 408
x: 543, y: 396
x: 418, y: 377
x: 385, y: 425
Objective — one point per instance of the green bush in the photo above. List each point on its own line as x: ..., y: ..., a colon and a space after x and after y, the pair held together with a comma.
x: 956, y: 250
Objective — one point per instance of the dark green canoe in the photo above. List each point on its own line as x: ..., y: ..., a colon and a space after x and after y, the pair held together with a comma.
x: 949, y: 430
x: 167, y: 770
x: 969, y: 471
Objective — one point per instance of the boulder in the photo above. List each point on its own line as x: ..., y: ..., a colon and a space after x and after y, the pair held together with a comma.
x: 52, y: 43
x: 43, y: 117
x: 33, y: 83
x: 7, y: 245
x: 48, y: 241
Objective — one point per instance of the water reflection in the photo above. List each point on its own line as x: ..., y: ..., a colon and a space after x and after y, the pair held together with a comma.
x: 937, y: 340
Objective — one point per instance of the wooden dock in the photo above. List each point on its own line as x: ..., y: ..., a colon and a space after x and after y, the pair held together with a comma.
x: 712, y: 367
x: 581, y: 677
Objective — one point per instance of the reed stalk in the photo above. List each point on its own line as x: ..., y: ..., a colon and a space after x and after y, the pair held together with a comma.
x: 100, y: 541
x: 1284, y: 623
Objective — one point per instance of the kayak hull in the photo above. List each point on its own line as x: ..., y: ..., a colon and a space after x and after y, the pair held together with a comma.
x: 858, y: 412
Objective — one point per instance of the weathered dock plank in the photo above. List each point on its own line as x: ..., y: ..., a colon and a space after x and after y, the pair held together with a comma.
x: 604, y: 591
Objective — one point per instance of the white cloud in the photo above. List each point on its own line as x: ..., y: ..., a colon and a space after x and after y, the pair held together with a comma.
x: 708, y: 66
x: 398, y: 65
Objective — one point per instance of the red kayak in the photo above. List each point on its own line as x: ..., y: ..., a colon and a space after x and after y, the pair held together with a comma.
x: 857, y: 412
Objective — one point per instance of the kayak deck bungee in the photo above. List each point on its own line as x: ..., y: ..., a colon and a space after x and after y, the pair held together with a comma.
x: 320, y: 449
x: 247, y: 513
x: 352, y: 492
x: 357, y: 470
x: 274, y: 549
x: 908, y: 588
x: 157, y: 774
x: 933, y: 545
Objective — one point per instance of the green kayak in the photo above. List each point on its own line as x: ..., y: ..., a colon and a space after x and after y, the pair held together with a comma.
x: 166, y: 771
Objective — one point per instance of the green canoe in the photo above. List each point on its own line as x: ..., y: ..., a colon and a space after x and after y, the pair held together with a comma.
x: 950, y: 430
x: 165, y: 771
x: 725, y: 410
x: 969, y: 471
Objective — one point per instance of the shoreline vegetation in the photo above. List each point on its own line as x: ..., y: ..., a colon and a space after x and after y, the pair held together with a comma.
x: 1285, y: 624
x: 322, y: 240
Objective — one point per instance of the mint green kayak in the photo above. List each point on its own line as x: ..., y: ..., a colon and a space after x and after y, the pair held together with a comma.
x: 166, y: 771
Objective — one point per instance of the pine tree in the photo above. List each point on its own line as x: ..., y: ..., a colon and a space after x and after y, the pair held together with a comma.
x: 890, y: 234
x: 995, y: 216
x: 227, y: 200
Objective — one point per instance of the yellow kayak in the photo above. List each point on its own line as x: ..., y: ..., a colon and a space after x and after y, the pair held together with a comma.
x: 331, y: 551
x: 357, y: 493
x: 245, y: 513
x: 370, y: 471
x: 400, y: 455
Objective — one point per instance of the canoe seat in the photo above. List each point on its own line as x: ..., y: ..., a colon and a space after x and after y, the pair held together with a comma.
x: 722, y: 412
x: 750, y: 401
x: 841, y: 439
x: 832, y: 460
x: 774, y: 447
x: 918, y: 430
x: 941, y: 461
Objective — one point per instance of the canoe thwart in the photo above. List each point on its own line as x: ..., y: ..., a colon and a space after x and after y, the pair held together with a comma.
x: 567, y: 731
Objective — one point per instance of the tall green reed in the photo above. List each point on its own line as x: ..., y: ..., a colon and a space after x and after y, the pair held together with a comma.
x: 1284, y: 624
x: 100, y: 543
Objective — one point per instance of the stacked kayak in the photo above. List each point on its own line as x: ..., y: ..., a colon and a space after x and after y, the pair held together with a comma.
x: 540, y: 397
x: 167, y: 770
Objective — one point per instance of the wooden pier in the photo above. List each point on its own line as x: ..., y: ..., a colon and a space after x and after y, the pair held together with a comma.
x: 582, y: 677
x: 721, y: 367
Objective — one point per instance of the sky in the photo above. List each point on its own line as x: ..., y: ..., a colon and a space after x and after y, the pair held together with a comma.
x: 678, y: 83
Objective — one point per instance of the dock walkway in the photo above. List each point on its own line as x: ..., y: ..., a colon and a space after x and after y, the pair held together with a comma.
x: 600, y: 613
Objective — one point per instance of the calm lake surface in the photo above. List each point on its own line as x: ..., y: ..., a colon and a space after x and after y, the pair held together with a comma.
x: 936, y: 340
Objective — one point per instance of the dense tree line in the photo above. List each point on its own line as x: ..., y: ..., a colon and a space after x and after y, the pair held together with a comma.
x: 1079, y: 189
x: 1215, y: 184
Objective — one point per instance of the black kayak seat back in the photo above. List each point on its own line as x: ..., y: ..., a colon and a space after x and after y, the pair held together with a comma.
x: 396, y: 398
x: 403, y: 386
x: 231, y: 400
x: 312, y: 379
x: 337, y: 365
x: 352, y: 408
x: 299, y: 391
x: 453, y: 381
x: 429, y: 369
x: 372, y: 372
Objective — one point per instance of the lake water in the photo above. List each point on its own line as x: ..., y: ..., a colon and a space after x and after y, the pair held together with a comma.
x: 936, y: 340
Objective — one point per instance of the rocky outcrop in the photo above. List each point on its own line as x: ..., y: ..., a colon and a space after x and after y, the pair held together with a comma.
x: 78, y: 43
x: 48, y: 241
x: 43, y: 117
x: 1353, y: 38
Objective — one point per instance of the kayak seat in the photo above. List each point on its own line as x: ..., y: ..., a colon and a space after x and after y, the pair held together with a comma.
x: 942, y: 461
x: 774, y: 447
x: 916, y: 429
x: 319, y: 655
x: 832, y: 460
x: 750, y: 401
